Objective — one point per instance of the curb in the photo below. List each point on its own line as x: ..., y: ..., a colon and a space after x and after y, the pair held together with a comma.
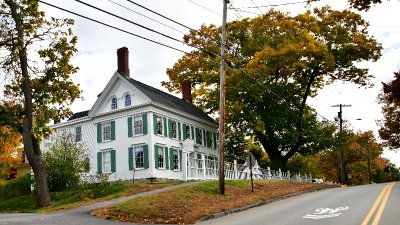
x: 269, y: 201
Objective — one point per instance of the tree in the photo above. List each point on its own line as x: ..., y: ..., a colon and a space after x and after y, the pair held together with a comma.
x: 359, y: 4
x: 357, y: 147
x: 36, y: 61
x: 277, y: 62
x: 10, y: 143
x: 65, y: 162
x: 390, y: 125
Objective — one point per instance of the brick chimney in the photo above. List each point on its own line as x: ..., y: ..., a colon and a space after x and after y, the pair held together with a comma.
x: 187, y: 90
x: 123, y: 61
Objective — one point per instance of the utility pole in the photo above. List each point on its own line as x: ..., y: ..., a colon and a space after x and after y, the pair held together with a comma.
x: 222, y: 103
x: 343, y: 174
x: 366, y: 143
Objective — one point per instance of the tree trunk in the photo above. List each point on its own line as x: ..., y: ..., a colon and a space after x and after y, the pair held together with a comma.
x: 278, y: 162
x: 31, y: 147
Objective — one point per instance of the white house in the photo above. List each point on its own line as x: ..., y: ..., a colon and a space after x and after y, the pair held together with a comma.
x: 134, y: 131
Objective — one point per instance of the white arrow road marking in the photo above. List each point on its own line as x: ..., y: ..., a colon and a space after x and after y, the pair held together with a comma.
x: 323, y: 213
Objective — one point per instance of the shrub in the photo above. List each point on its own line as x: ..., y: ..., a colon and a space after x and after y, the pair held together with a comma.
x: 18, y: 187
x: 65, y: 161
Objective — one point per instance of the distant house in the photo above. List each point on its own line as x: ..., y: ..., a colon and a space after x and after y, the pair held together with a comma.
x: 134, y: 131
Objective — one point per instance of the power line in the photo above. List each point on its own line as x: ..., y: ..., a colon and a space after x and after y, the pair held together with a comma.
x: 257, y: 6
x: 141, y: 6
x: 113, y: 27
x: 116, y: 3
x: 204, y: 7
x: 274, y: 5
x: 130, y: 21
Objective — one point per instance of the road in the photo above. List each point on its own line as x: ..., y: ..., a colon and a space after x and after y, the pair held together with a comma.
x: 360, y: 205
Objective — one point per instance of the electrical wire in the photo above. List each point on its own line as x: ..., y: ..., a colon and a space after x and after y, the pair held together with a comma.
x: 147, y: 17
x: 111, y: 26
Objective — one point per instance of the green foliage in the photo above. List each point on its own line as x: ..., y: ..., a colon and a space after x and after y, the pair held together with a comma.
x: 26, y: 203
x: 277, y: 62
x: 390, y: 124
x: 18, y: 187
x: 65, y: 161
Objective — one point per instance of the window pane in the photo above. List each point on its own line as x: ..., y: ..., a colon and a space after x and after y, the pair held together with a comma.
x: 159, y: 125
x: 138, y: 125
x: 127, y: 100
x: 176, y: 160
x: 160, y: 157
x: 78, y: 134
x: 106, y: 131
x: 139, y: 157
x: 107, y: 161
x: 173, y: 128
x: 114, y: 104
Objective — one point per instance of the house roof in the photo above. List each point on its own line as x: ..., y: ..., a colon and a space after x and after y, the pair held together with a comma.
x: 162, y: 98
x: 79, y: 115
x: 170, y: 100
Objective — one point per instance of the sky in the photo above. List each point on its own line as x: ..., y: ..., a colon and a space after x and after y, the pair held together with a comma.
x: 97, y: 46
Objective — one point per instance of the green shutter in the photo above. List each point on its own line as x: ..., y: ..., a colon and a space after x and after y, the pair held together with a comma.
x: 113, y: 161
x: 165, y: 127
x: 155, y: 156
x: 130, y: 131
x: 144, y: 119
x: 99, y: 162
x: 179, y: 131
x: 171, y: 158
x: 166, y: 159
x: 130, y: 158
x: 180, y: 160
x: 99, y: 138
x: 169, y: 128
x: 192, y: 133
x: 184, y: 135
x: 155, y: 123
x: 197, y: 134
x: 208, y: 139
x: 146, y: 156
x: 215, y: 140
x: 113, y: 130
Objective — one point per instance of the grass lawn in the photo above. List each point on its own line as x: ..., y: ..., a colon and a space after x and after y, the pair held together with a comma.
x: 187, y: 205
x: 77, y: 197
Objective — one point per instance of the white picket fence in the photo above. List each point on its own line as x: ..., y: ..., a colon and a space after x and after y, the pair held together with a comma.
x: 207, y: 169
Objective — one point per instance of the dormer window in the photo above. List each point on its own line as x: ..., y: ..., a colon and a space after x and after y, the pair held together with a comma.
x: 114, y: 103
x: 127, y: 100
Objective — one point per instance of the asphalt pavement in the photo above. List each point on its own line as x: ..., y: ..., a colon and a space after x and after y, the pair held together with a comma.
x: 359, y: 205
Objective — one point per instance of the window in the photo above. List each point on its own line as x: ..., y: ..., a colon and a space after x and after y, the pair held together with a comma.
x: 114, y: 103
x: 106, y: 167
x: 106, y: 131
x: 138, y: 124
x: 78, y: 134
x: 159, y: 125
x: 200, y: 136
x: 139, y: 156
x: 212, y: 144
x: 106, y: 162
x: 175, y: 159
x: 173, y: 129
x: 127, y: 100
x: 160, y: 156
x: 187, y: 132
